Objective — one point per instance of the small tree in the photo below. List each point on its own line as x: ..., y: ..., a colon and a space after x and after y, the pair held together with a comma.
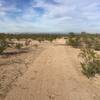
x: 71, y: 34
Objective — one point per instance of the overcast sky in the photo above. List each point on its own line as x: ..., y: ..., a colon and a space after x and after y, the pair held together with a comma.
x: 49, y: 15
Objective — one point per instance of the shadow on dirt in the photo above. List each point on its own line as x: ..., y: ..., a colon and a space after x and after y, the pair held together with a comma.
x: 60, y: 44
x: 13, y: 53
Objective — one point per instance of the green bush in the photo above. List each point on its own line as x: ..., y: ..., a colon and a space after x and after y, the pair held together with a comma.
x: 18, y: 46
x: 91, y: 62
x: 75, y: 42
x: 97, y: 46
x: 3, y: 46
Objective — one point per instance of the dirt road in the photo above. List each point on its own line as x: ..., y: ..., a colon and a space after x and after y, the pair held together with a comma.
x: 54, y: 75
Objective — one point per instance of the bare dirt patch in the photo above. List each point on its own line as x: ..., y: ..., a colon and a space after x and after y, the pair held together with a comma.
x: 15, y: 65
x: 55, y: 75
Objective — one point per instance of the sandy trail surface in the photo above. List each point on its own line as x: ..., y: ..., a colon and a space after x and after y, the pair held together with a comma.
x: 54, y: 75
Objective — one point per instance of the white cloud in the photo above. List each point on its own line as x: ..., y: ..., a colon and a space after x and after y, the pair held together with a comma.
x: 66, y: 15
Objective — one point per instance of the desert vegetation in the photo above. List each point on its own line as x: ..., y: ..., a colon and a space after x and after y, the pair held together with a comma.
x: 18, y: 46
x: 88, y: 45
x: 40, y: 37
x: 90, y: 62
x: 7, y: 40
x: 84, y: 40
x: 3, y: 45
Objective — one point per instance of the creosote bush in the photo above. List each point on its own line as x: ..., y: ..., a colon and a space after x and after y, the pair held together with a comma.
x: 91, y: 62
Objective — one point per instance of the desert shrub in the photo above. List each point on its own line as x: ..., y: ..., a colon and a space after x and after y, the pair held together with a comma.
x: 96, y: 45
x: 18, y: 46
x: 88, y: 43
x: 40, y: 40
x: 74, y: 42
x: 3, y: 46
x: 91, y: 62
x: 50, y: 39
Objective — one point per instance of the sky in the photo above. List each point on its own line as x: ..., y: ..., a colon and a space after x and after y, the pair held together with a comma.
x: 49, y: 15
